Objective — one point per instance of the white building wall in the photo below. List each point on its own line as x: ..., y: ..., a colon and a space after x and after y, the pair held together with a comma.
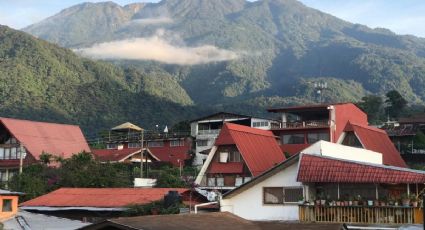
x: 249, y: 203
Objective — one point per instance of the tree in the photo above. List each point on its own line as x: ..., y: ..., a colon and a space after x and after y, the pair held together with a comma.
x: 372, y: 106
x: 395, y: 103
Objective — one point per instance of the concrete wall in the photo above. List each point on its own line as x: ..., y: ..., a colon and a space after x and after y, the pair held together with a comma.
x: 249, y: 203
x: 5, y: 215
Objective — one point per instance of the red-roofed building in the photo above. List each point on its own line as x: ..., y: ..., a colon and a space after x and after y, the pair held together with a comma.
x: 127, y: 155
x: 345, y: 123
x: 335, y: 183
x: 374, y: 139
x: 31, y: 138
x: 239, y: 153
x: 91, y: 204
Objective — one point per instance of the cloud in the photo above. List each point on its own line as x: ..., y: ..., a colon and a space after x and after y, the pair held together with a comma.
x: 157, y: 48
x: 152, y: 21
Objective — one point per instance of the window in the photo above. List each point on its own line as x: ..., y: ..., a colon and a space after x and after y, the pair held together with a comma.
x: 280, y: 195
x: 134, y: 145
x: 260, y: 124
x: 3, y: 176
x: 273, y: 195
x: 220, y: 181
x: 350, y: 139
x: 7, y: 205
x: 315, y: 137
x: 293, y: 138
x: 201, y: 143
x: 175, y: 143
x: 13, y: 153
x: 6, y: 153
x: 235, y: 157
x: 112, y: 146
x: 155, y: 144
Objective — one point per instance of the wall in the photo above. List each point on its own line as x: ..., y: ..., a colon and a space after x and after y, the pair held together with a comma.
x: 249, y: 203
x: 6, y: 215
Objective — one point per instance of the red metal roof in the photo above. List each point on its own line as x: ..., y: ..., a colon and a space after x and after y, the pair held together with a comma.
x: 37, y: 137
x: 115, y: 155
x: 377, y: 140
x: 100, y: 197
x: 258, y: 148
x: 331, y: 170
x: 175, y: 155
x: 230, y: 167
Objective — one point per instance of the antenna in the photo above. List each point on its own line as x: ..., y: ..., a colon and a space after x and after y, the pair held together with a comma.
x: 319, y: 88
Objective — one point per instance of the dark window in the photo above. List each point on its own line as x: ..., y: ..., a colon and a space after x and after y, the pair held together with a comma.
x: 315, y: 137
x: 351, y: 139
x: 273, y: 195
x: 292, y: 194
x: 293, y: 138
x: 155, y: 144
x: 201, y: 143
x: 7, y: 205
x: 176, y: 143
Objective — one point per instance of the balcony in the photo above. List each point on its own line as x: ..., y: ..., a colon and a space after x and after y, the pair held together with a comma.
x: 209, y: 132
x: 302, y: 124
x: 361, y: 214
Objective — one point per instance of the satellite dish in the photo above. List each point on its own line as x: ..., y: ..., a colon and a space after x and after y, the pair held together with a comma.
x: 166, y: 129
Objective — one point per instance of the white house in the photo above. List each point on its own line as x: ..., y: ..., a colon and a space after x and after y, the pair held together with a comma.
x: 328, y: 170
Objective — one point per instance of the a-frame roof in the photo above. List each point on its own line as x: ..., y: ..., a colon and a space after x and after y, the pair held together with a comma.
x: 37, y: 137
x: 258, y: 148
x: 377, y: 140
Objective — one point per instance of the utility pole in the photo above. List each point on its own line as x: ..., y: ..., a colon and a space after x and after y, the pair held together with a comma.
x: 21, y: 158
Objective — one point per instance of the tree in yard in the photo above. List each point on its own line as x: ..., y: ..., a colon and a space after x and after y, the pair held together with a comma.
x: 372, y: 106
x: 395, y: 103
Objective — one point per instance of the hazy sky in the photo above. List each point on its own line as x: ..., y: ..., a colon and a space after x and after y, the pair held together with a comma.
x: 401, y: 16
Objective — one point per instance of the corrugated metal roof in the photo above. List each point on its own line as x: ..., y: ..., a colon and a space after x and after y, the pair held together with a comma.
x: 115, y: 155
x: 229, y: 167
x: 37, y: 137
x: 127, y: 126
x: 175, y: 155
x: 100, y: 197
x: 377, y: 140
x: 258, y: 148
x: 331, y: 170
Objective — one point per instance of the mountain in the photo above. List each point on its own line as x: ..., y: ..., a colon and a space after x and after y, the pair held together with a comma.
x: 282, y: 47
x: 42, y: 81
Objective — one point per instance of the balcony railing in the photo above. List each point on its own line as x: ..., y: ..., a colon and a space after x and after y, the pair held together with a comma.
x: 302, y: 124
x: 361, y: 214
x: 209, y: 132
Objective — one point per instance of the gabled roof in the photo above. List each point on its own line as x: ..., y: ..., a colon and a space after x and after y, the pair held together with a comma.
x: 99, y: 197
x: 313, y: 168
x: 172, y: 154
x: 38, y: 137
x: 118, y: 155
x: 267, y: 174
x: 258, y: 148
x: 221, y: 115
x: 377, y: 140
x: 127, y: 126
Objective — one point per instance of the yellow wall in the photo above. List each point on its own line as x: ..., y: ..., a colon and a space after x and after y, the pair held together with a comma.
x: 7, y: 215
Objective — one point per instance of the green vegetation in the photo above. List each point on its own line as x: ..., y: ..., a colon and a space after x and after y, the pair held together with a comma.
x: 154, y: 208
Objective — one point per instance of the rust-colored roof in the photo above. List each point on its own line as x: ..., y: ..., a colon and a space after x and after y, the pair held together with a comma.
x: 57, y: 139
x: 377, y: 140
x: 100, y: 197
x: 314, y: 168
x: 258, y: 148
x: 175, y: 155
x: 116, y: 155
x: 229, y: 167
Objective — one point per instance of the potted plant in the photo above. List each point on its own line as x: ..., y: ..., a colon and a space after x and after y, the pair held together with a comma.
x: 405, y: 200
x: 338, y: 202
x: 350, y: 200
x: 356, y: 200
x: 414, y: 200
x: 383, y: 202
x: 376, y: 203
x: 301, y: 200
x: 370, y: 202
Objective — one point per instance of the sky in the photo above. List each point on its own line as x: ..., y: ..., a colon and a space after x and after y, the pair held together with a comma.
x: 400, y: 16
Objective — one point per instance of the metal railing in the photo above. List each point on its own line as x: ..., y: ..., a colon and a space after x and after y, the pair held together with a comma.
x: 209, y: 132
x: 361, y: 214
x: 302, y: 124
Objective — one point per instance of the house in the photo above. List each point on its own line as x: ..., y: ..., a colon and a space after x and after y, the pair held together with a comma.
x: 301, y: 126
x: 22, y: 142
x: 29, y: 220
x: 407, y: 134
x: 206, y: 129
x: 330, y: 182
x: 9, y: 204
x: 204, y: 221
x: 127, y: 155
x: 166, y: 147
x: 94, y: 204
x: 342, y: 123
x: 239, y: 153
